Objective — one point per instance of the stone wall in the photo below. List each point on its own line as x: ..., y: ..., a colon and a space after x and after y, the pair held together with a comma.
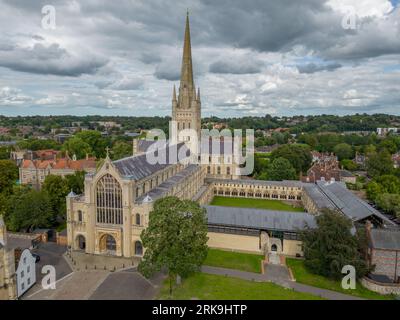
x: 386, y: 262
x: 241, y: 243
x: 382, y: 288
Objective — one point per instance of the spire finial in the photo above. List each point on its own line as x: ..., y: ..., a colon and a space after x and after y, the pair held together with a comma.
x: 107, y: 152
x: 198, y: 94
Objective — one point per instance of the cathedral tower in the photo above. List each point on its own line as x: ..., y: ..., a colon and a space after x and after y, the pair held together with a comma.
x: 186, y: 107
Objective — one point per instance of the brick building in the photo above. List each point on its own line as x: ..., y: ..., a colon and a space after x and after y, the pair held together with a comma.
x: 384, y: 254
x: 34, y: 172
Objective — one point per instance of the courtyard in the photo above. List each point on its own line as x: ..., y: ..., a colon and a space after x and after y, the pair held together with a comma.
x: 256, y: 204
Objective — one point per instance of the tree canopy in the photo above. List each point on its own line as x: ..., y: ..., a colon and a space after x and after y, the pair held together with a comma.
x: 297, y: 154
x: 175, y: 239
x: 331, y: 246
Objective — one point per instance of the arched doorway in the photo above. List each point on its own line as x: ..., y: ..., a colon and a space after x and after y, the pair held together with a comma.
x: 138, y: 248
x: 108, y: 244
x: 274, y: 248
x: 81, y: 242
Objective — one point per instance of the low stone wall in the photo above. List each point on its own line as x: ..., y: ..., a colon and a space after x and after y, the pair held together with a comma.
x: 382, y: 288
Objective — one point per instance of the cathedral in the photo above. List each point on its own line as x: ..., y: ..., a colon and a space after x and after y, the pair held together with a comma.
x: 108, y: 219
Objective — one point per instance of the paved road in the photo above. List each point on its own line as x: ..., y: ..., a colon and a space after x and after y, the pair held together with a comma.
x: 125, y: 285
x: 50, y: 254
x: 102, y: 285
x: 280, y: 276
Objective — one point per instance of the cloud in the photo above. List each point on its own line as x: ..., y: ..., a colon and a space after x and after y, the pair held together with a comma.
x: 312, y: 67
x: 236, y: 67
x: 49, y: 60
x: 12, y: 96
x: 250, y: 57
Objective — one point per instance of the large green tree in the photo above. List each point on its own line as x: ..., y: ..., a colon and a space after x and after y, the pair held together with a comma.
x: 8, y: 176
x: 331, y: 245
x: 388, y: 202
x: 76, y: 181
x: 281, y: 169
x: 379, y: 163
x: 343, y: 151
x: 57, y: 189
x: 78, y: 147
x: 299, y: 156
x: 95, y: 140
x: 175, y: 239
x: 30, y: 209
x: 121, y: 149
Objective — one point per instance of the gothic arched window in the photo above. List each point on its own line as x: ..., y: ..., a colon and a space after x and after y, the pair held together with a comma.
x: 109, y: 200
x: 138, y: 219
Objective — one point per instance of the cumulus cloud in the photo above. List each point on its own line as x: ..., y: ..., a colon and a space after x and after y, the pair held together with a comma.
x: 52, y: 59
x: 281, y: 57
x: 12, y: 96
x: 312, y: 67
x: 234, y: 67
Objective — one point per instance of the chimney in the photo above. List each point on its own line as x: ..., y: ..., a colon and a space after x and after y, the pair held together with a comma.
x: 87, y: 156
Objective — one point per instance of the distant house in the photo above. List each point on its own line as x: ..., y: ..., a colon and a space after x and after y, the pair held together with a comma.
x: 323, y: 157
x: 267, y: 149
x: 384, y: 131
x: 326, y: 168
x: 34, y: 172
x: 360, y: 160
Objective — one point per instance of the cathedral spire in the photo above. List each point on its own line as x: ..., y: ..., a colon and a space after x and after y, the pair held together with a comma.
x: 174, y: 94
x: 187, y: 69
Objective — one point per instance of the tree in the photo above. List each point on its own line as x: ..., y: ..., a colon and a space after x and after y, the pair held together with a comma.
x: 281, y: 169
x: 389, y: 183
x: 76, y: 146
x: 299, y: 156
x: 76, y: 181
x: 30, y: 210
x: 349, y: 164
x: 388, y: 202
x: 121, y: 150
x: 343, y: 151
x: 57, y: 189
x: 95, y: 140
x: 379, y: 164
x: 331, y: 245
x: 373, y: 190
x: 389, y: 145
x: 175, y: 239
x: 8, y: 176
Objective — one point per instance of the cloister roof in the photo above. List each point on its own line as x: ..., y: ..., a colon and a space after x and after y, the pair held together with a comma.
x: 259, y: 219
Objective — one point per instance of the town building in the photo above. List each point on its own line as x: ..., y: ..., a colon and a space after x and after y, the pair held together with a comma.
x: 34, y: 172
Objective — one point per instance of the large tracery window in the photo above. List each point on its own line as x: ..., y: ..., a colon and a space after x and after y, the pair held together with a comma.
x: 109, y: 200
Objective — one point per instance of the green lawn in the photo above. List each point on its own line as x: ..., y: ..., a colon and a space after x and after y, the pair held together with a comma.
x: 205, y: 286
x: 234, y: 260
x: 305, y: 277
x: 254, y: 203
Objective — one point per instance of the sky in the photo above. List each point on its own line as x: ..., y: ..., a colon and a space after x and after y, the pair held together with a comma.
x: 251, y: 58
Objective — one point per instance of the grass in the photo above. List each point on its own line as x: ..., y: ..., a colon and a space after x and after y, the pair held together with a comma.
x: 302, y: 275
x: 212, y: 287
x: 234, y: 260
x: 254, y: 203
